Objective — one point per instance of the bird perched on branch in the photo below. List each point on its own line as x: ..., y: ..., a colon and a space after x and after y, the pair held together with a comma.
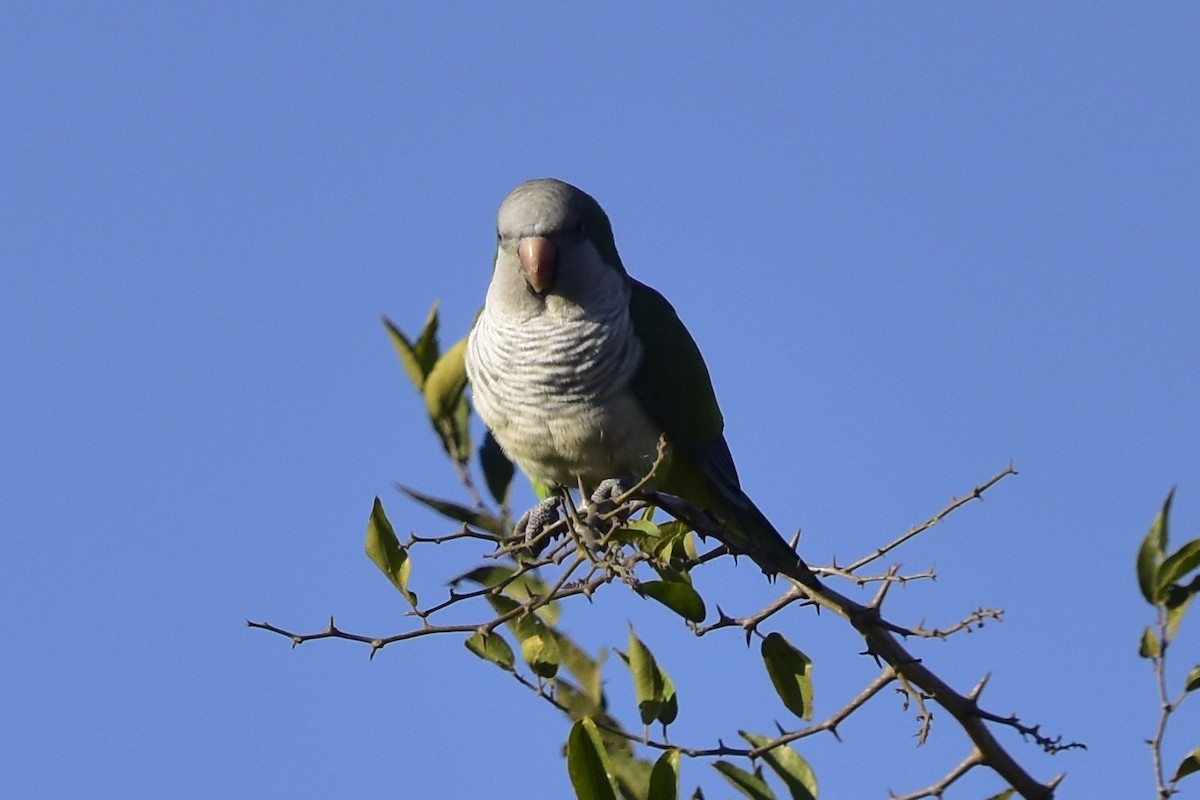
x: 578, y: 369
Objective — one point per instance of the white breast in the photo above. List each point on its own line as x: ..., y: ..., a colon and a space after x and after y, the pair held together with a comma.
x: 555, y: 392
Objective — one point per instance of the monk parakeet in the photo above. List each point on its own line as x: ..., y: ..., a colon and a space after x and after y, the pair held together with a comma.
x: 577, y: 368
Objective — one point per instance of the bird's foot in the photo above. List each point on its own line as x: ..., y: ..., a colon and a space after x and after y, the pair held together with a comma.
x: 536, y: 520
x: 604, y: 499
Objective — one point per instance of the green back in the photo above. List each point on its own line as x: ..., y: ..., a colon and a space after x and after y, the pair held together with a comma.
x: 675, y: 388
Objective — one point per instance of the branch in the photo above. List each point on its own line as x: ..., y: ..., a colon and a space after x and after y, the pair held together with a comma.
x: 883, y: 644
x: 975, y: 759
x: 972, y: 621
x: 1163, y: 788
x: 954, y: 505
x: 591, y: 542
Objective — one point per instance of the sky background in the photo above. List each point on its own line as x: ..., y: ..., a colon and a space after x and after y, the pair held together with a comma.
x: 915, y: 243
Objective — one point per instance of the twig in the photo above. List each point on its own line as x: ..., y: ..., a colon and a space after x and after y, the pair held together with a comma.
x: 883, y: 644
x: 608, y: 563
x: 464, y: 477
x: 835, y: 571
x: 465, y: 532
x: 750, y: 623
x: 975, y: 759
x: 924, y: 717
x: 955, y: 504
x: 971, y: 622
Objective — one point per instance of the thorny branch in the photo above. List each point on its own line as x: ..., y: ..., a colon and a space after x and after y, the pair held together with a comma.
x: 607, y: 563
x: 954, y: 505
x: 1163, y: 787
x: 883, y: 643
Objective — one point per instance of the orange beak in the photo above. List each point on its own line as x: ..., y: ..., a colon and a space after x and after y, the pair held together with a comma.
x: 539, y: 262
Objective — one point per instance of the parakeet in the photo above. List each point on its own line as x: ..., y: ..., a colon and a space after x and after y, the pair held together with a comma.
x: 577, y: 368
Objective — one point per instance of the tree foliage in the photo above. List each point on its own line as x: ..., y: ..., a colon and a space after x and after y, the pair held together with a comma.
x: 1168, y: 581
x: 524, y: 587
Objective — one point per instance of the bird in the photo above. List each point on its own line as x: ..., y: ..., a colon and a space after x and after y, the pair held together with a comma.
x: 577, y: 369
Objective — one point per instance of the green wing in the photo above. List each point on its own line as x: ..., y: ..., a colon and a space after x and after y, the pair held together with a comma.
x: 673, y: 381
x: 674, y: 386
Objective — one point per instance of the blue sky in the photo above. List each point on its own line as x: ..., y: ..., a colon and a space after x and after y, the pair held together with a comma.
x: 914, y: 242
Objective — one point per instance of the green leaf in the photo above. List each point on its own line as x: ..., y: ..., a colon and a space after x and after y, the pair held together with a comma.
x: 669, y: 547
x: 791, y: 674
x: 1177, y: 600
x: 384, y: 549
x: 750, y: 784
x: 1151, y: 552
x: 459, y: 513
x: 492, y: 647
x: 445, y: 400
x: 674, y: 529
x: 520, y: 587
x: 1177, y: 565
x: 461, y: 430
x: 1149, y: 647
x: 587, y: 670
x: 631, y: 774
x: 539, y: 646
x: 1192, y: 682
x: 575, y: 703
x: 640, y: 532
x: 1190, y: 764
x: 652, y: 686
x: 504, y: 605
x: 498, y: 471
x: 417, y: 357
x: 670, y: 704
x: 587, y: 763
x: 647, y: 679
x: 678, y: 596
x: 664, y: 778
x: 789, y: 765
x: 540, y: 651
x: 487, y: 576
x: 446, y: 381
x: 1005, y: 795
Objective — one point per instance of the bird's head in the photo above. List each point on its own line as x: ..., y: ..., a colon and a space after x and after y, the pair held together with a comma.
x: 554, y: 246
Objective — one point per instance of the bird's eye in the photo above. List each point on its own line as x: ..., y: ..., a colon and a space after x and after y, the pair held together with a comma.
x: 580, y: 227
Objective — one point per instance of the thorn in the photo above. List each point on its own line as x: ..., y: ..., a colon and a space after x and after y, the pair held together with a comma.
x: 973, y: 695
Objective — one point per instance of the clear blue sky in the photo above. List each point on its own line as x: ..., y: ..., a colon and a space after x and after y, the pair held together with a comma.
x: 915, y: 242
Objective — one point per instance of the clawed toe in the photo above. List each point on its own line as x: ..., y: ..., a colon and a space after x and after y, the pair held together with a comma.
x: 537, y: 519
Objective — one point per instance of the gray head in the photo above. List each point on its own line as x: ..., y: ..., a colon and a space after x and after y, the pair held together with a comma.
x: 554, y: 241
x: 544, y: 207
